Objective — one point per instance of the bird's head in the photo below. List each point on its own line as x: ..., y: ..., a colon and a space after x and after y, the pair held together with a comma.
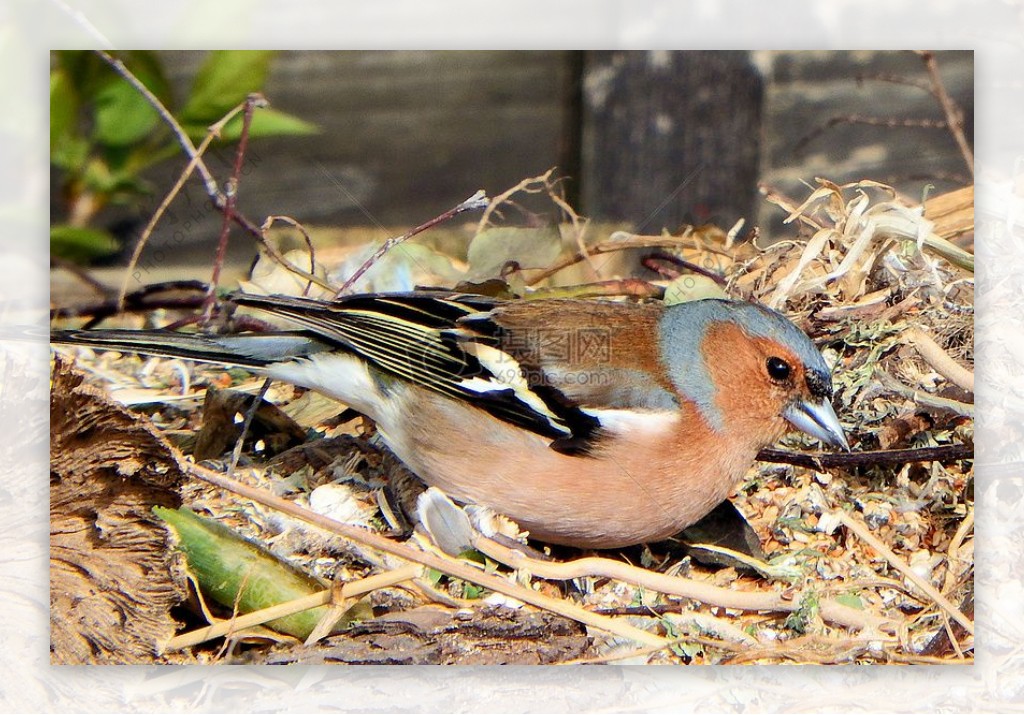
x: 749, y: 370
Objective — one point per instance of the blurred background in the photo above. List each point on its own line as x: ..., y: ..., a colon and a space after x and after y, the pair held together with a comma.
x: 651, y: 139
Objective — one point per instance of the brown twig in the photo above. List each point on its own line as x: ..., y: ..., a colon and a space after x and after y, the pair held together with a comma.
x: 895, y: 79
x: 533, y: 185
x: 183, y: 138
x: 954, y: 114
x: 458, y: 569
x: 193, y: 162
x: 631, y: 287
x: 137, y: 301
x: 900, y: 565
x: 937, y: 358
x: 828, y: 460
x: 769, y: 601
x: 620, y: 241
x: 687, y: 265
x: 230, y: 199
x: 892, y: 123
x: 310, y: 276
x: 80, y: 273
x: 476, y: 201
x: 217, y: 198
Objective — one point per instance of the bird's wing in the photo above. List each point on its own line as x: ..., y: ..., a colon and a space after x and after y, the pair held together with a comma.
x: 604, y: 358
x: 427, y: 338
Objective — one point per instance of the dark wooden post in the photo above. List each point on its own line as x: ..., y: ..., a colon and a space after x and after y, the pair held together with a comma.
x: 670, y: 137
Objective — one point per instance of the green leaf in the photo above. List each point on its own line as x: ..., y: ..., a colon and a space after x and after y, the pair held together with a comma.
x: 850, y: 599
x: 266, y: 122
x: 79, y: 244
x: 99, y: 177
x: 123, y: 116
x: 69, y: 149
x: 237, y: 572
x: 692, y: 286
x: 224, y: 81
x: 269, y: 122
x: 83, y: 68
x: 63, y: 110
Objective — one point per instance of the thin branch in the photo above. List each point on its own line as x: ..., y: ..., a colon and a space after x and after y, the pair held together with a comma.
x: 937, y: 358
x: 212, y: 133
x: 687, y: 265
x: 675, y: 585
x: 900, y: 565
x: 183, y: 138
x: 476, y: 201
x: 828, y: 460
x: 231, y: 197
x: 533, y: 185
x: 217, y: 198
x: 236, y: 453
x: 81, y: 274
x: 459, y: 569
x: 281, y: 610
x: 310, y: 276
x: 896, y: 79
x: 954, y: 114
x: 138, y: 300
x: 619, y: 241
x: 906, y: 122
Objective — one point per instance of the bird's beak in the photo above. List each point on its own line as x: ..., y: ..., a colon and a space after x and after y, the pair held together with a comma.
x: 817, y: 419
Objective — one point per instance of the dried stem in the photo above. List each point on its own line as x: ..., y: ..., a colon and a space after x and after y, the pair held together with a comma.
x: 231, y: 198
x: 619, y: 241
x: 900, y: 565
x: 675, y: 585
x: 137, y: 301
x: 533, y: 185
x: 828, y: 460
x: 476, y: 201
x: 937, y: 358
x: 281, y: 610
x: 906, y: 122
x: 183, y: 138
x: 954, y: 114
x: 459, y: 569
x: 924, y: 398
x: 193, y: 162
x: 310, y: 276
x: 218, y: 199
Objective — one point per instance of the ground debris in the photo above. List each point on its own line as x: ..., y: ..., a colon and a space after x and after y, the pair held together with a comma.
x: 113, y: 579
x: 492, y: 635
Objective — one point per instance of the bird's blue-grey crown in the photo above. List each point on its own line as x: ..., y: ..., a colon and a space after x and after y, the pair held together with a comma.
x: 684, y: 326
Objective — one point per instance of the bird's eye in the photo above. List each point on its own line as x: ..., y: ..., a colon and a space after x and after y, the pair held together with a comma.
x: 778, y: 369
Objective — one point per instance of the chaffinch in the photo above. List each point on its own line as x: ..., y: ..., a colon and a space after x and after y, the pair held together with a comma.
x: 590, y: 423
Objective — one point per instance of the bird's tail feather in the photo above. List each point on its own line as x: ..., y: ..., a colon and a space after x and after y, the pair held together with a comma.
x: 256, y: 350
